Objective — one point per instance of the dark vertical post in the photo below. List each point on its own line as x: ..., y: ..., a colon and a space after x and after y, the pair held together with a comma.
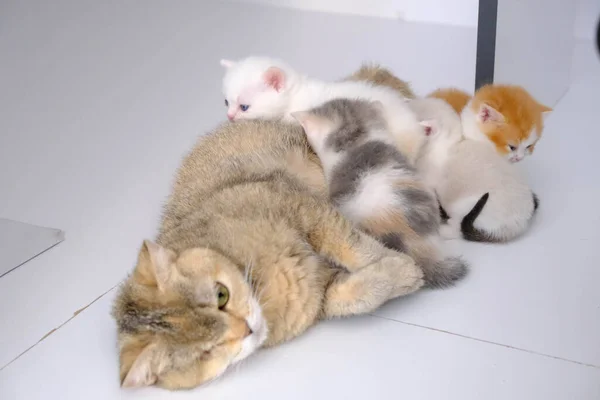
x: 486, y: 42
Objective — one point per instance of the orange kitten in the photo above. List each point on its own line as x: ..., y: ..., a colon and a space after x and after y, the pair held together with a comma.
x: 506, y: 116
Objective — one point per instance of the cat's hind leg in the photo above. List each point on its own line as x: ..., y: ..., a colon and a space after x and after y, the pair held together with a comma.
x: 373, y: 274
x: 334, y: 237
x: 365, y: 290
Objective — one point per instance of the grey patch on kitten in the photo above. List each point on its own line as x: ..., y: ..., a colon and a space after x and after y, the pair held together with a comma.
x: 446, y: 272
x: 423, y: 214
x: 370, y: 156
x: 354, y: 118
x: 394, y: 241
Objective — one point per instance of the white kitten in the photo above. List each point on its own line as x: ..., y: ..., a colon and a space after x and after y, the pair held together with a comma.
x: 485, y: 198
x: 260, y: 87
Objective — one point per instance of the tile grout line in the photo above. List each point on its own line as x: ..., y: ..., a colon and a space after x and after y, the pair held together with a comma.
x: 489, y: 342
x: 75, y: 314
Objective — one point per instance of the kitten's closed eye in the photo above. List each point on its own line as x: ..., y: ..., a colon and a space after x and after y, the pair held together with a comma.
x: 226, y: 103
x: 244, y: 107
x: 511, y: 147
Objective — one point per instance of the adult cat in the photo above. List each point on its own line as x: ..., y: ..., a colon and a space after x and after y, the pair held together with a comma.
x: 250, y: 253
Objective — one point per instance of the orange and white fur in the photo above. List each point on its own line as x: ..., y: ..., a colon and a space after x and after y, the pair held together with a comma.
x: 506, y: 117
x: 485, y: 197
x: 266, y: 88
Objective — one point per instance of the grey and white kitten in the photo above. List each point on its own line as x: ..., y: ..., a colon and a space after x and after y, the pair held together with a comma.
x: 374, y: 185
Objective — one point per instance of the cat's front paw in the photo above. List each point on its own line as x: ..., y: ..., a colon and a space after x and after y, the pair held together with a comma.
x: 406, y: 276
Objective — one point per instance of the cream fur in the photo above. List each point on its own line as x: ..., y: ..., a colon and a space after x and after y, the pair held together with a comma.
x: 461, y: 170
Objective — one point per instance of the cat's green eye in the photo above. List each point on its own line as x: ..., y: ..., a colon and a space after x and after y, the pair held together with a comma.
x: 222, y: 295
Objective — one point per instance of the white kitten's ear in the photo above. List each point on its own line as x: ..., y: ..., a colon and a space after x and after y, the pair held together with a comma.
x: 227, y: 63
x: 429, y: 126
x: 274, y: 77
x: 154, y: 265
x: 140, y: 373
x: 488, y: 113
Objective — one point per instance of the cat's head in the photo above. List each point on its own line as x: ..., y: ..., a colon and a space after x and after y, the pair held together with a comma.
x: 257, y: 87
x: 510, y: 117
x: 183, y: 319
x: 341, y: 124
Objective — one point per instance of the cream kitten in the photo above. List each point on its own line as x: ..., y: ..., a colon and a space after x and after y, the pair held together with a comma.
x: 373, y: 184
x: 260, y: 87
x: 485, y: 198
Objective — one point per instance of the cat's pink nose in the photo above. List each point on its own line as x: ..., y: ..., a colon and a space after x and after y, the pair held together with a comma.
x: 230, y: 117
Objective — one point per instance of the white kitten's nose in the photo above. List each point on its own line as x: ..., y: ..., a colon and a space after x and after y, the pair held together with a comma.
x: 230, y: 117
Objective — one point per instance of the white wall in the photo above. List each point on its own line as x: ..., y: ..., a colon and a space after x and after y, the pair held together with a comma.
x: 534, y: 46
x: 450, y: 12
x: 586, y: 19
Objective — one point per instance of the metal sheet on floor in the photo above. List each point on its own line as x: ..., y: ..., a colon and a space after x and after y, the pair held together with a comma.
x: 20, y: 242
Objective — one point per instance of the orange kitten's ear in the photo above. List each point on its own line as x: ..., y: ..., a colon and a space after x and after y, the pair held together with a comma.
x: 545, y: 110
x: 274, y: 77
x: 488, y: 113
x: 227, y: 63
x: 137, y: 368
x: 154, y: 265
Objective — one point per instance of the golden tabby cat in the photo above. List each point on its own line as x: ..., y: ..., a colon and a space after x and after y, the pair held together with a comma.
x: 250, y: 253
x: 378, y: 75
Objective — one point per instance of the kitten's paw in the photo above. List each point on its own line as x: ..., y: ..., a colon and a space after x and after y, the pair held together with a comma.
x: 405, y: 276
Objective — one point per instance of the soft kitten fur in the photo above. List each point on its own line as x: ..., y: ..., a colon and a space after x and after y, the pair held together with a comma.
x: 380, y: 76
x: 373, y: 184
x: 270, y: 89
x: 504, y: 116
x: 247, y: 215
x: 485, y: 198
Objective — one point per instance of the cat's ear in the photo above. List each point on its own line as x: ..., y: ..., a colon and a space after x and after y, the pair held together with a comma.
x: 488, y: 113
x: 429, y: 127
x: 227, y: 63
x: 311, y: 123
x: 545, y: 110
x: 274, y: 77
x: 154, y: 265
x: 137, y: 368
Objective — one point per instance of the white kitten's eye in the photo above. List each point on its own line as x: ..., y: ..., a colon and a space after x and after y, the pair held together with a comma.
x: 244, y: 107
x: 226, y: 103
x: 529, y: 147
x: 511, y: 147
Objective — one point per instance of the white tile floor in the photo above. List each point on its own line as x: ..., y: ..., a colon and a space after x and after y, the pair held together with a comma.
x: 100, y: 100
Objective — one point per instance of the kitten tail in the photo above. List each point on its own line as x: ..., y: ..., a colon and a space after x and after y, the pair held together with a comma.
x: 438, y: 272
x: 469, y: 232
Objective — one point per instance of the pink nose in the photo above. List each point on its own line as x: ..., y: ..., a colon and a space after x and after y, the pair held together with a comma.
x: 230, y: 117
